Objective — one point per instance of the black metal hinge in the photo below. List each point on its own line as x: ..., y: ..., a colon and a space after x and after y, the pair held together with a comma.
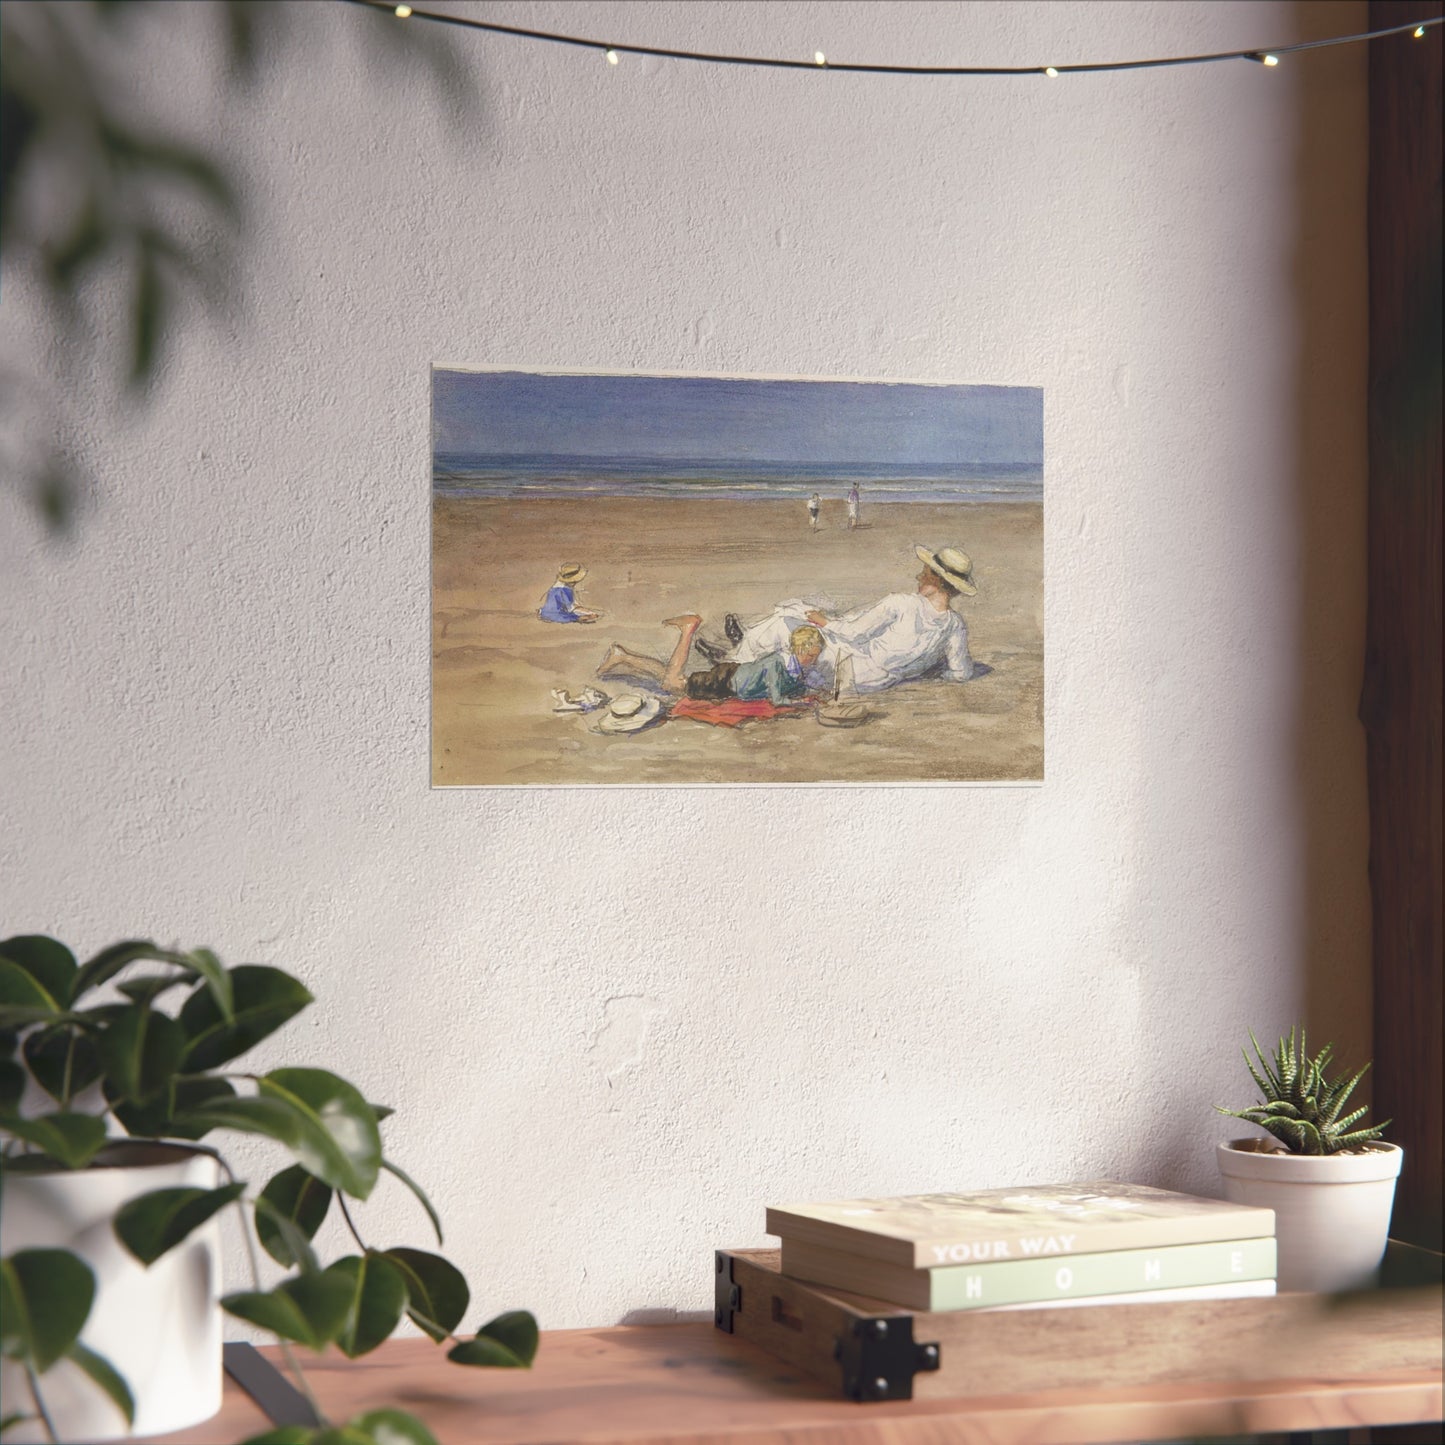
x: 880, y: 1358
x: 280, y: 1401
x: 727, y: 1296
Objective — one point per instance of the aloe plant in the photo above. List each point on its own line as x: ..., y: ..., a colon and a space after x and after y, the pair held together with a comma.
x: 1301, y: 1107
x: 69, y: 1030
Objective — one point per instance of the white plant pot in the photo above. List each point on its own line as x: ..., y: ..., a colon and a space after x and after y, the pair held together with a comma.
x: 1331, y: 1211
x: 160, y: 1327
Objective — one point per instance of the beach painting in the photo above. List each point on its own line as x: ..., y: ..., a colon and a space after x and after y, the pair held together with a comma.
x: 699, y: 580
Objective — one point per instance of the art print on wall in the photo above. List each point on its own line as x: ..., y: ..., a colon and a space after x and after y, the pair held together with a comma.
x: 686, y: 579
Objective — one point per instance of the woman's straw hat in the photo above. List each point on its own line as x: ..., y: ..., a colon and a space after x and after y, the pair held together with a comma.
x: 950, y: 564
x: 630, y: 712
x: 572, y: 574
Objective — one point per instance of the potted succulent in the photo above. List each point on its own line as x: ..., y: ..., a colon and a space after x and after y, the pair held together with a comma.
x: 113, y: 1086
x: 1331, y: 1185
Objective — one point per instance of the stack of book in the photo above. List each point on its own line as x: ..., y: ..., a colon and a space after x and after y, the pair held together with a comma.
x: 1031, y: 1247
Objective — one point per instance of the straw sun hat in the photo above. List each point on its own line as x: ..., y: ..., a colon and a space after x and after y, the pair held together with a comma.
x: 572, y: 574
x: 630, y: 712
x: 952, y: 565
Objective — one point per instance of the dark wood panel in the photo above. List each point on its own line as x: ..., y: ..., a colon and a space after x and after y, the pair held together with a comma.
x: 1400, y: 703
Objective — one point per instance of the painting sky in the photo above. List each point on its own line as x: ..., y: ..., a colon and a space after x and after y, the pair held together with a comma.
x: 693, y: 418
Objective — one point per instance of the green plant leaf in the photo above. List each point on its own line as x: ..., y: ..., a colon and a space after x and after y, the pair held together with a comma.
x: 298, y: 1197
x: 45, y: 1299
x: 104, y: 1374
x: 296, y: 1243
x: 141, y: 1051
x: 12, y: 1086
x: 264, y: 998
x: 23, y: 999
x: 141, y: 1121
x: 341, y: 1435
x: 340, y: 1143
x: 378, y: 1296
x: 213, y: 971
x: 195, y: 1093
x: 310, y: 1310
x: 73, y: 1139
x: 382, y: 1111
x: 164, y: 1116
x: 284, y: 1435
x: 187, y: 1094
x: 63, y: 1060
x: 392, y: 1427
x: 151, y: 1224
x: 507, y: 1342
x: 109, y: 962
x: 332, y: 1144
x: 269, y: 1117
x: 416, y: 1189
x: 50, y: 964
x: 1360, y: 1136
x: 96, y: 1019
x: 11, y: 1421
x: 148, y: 989
x: 14, y: 1325
x: 437, y: 1293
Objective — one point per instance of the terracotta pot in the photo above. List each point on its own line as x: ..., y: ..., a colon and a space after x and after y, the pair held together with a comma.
x: 160, y: 1327
x: 1331, y: 1211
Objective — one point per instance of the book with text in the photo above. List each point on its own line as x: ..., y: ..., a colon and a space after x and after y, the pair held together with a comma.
x: 925, y: 1231
x: 1030, y: 1281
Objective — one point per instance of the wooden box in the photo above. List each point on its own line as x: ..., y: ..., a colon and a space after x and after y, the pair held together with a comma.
x: 871, y: 1350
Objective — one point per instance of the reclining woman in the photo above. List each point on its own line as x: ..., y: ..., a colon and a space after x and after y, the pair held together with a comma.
x: 781, y: 676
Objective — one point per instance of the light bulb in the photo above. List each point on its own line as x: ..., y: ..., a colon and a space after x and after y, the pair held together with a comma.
x: 612, y: 57
x: 819, y: 58
x: 1051, y: 72
x: 1271, y: 60
x: 1419, y: 32
x: 402, y: 11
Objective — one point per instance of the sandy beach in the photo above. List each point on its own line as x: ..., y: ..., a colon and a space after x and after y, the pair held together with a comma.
x: 494, y: 662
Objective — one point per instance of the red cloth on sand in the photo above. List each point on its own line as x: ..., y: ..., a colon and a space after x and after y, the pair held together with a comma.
x: 730, y: 713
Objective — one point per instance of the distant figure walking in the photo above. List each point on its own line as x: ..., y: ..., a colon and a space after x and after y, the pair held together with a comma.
x: 814, y: 502
x: 560, y: 604
x: 853, y: 508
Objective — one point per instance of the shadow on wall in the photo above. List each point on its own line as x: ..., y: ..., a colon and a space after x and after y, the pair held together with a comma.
x: 92, y: 188
x: 1331, y: 306
x: 1324, y: 903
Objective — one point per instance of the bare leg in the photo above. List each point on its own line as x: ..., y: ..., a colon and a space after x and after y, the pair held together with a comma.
x: 619, y: 659
x: 676, y: 674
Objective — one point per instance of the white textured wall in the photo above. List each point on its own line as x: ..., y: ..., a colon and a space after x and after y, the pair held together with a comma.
x: 615, y: 1024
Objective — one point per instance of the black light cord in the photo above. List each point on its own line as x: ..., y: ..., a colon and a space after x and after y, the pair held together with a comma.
x: 612, y: 49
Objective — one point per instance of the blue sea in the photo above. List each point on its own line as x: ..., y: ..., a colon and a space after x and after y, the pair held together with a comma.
x: 455, y: 475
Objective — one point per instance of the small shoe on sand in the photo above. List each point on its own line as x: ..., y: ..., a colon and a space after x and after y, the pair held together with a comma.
x: 732, y: 628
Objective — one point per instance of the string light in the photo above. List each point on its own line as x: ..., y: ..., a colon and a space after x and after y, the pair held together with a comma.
x: 1260, y: 56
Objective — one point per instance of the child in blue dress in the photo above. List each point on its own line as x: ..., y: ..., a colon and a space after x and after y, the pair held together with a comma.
x: 561, y: 601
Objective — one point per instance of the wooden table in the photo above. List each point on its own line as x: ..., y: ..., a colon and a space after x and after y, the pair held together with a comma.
x: 670, y: 1384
